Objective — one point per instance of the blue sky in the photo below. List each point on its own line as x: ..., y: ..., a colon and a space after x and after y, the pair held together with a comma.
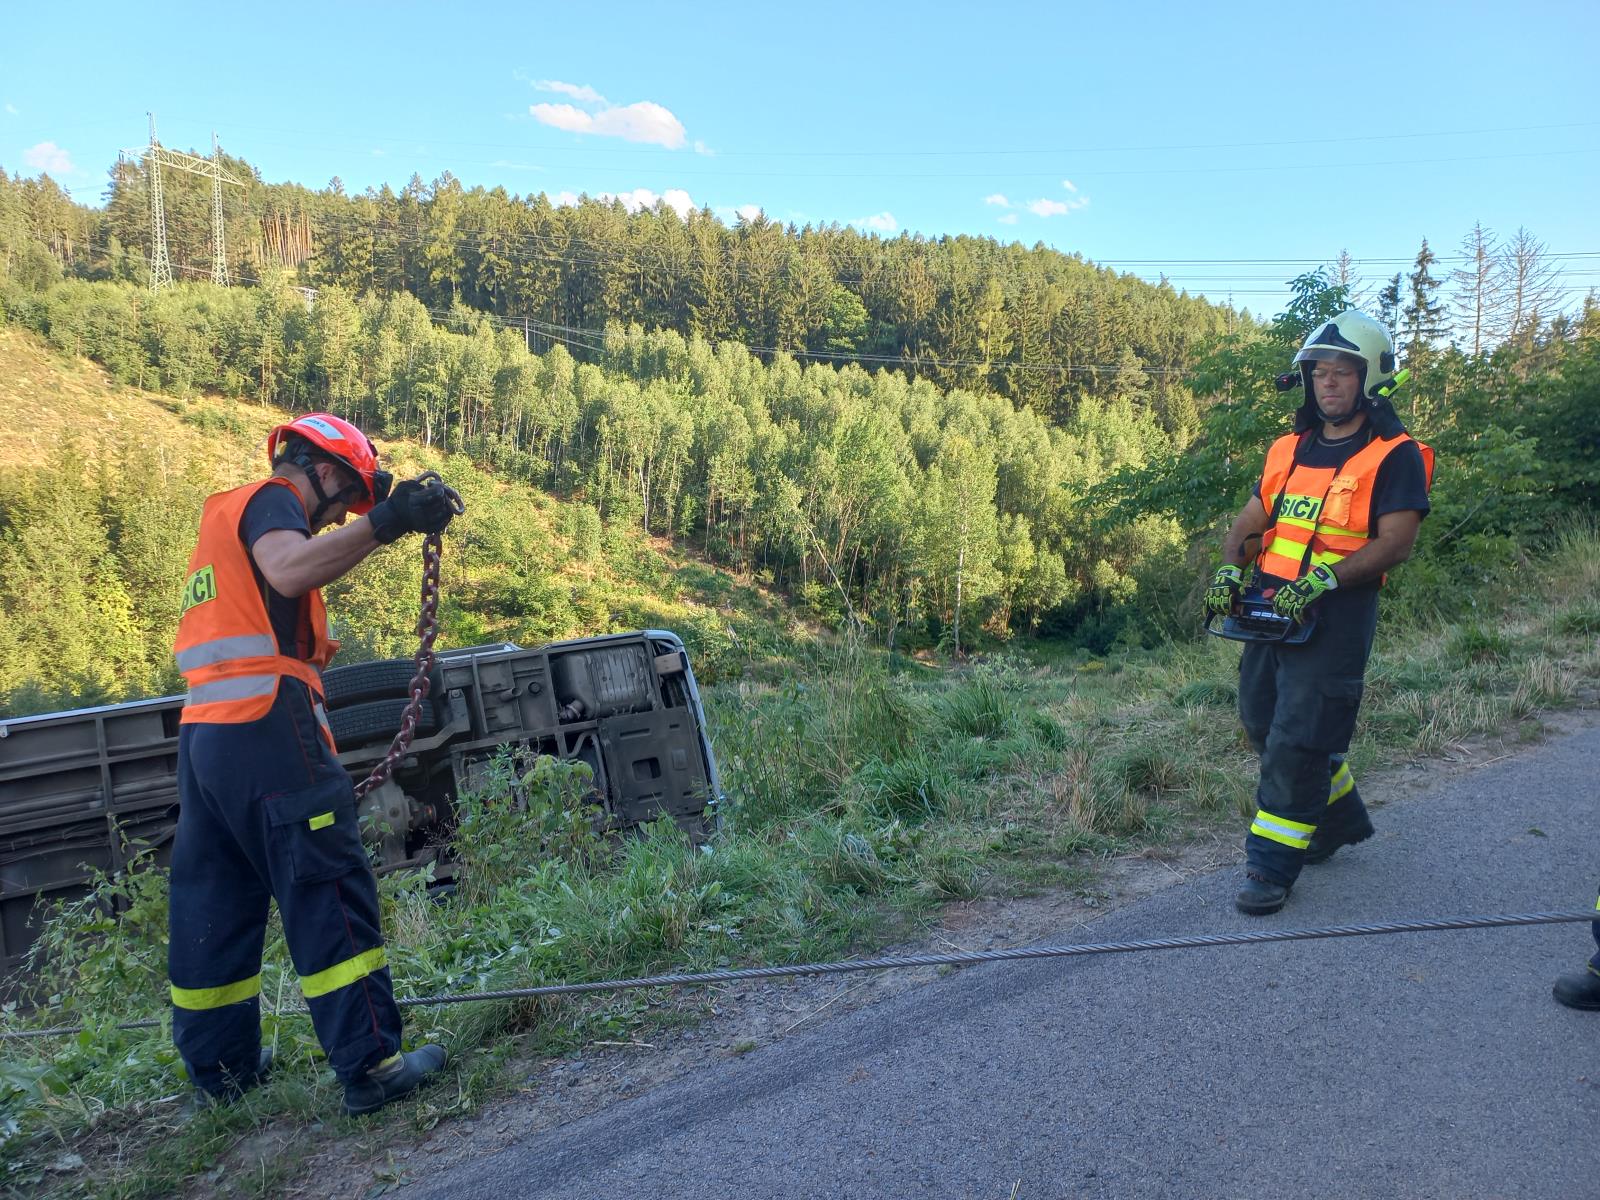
x: 1230, y: 146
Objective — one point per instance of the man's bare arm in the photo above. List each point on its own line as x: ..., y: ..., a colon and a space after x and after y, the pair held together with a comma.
x: 294, y: 564
x: 1391, y: 545
x: 1251, y: 523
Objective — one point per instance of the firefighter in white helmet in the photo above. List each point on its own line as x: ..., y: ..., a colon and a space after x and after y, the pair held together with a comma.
x: 1339, y: 502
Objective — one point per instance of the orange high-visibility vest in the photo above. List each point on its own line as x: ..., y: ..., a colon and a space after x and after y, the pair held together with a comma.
x: 226, y: 647
x: 1321, y: 514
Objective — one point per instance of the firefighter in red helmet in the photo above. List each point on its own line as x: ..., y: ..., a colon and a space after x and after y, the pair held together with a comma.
x: 266, y: 809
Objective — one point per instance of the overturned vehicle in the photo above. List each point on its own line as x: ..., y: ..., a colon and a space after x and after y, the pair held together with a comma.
x: 84, y: 791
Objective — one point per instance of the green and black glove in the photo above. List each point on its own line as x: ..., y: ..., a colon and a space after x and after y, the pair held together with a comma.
x: 411, y: 508
x: 1294, y: 598
x: 1224, y: 591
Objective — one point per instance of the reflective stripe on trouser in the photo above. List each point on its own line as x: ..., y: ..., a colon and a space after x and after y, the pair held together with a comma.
x: 1294, y: 834
x: 1340, y: 781
x: 267, y: 812
x: 1346, y: 816
x: 1298, y: 705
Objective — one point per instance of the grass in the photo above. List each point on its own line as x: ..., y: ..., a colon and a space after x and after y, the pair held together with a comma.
x: 862, y: 798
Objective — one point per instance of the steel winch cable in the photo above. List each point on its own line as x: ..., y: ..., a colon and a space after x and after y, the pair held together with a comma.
x: 958, y: 958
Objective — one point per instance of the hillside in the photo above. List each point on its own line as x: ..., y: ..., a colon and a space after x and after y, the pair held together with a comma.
x: 98, y: 582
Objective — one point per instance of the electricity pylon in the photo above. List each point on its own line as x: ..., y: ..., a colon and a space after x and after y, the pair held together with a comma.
x: 160, y: 264
x: 155, y: 156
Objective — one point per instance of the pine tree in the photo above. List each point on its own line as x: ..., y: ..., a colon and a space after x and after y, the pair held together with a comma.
x: 1389, y: 305
x: 1424, y: 316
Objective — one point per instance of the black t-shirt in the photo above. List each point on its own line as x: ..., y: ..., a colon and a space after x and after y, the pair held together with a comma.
x: 1401, y: 484
x: 272, y: 508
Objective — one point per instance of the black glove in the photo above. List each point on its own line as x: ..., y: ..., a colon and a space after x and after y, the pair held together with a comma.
x: 411, y: 508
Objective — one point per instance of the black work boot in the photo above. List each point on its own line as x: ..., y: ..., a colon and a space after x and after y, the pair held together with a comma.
x: 1325, y: 841
x: 1579, y: 989
x: 200, y: 1099
x: 393, y: 1078
x: 1259, y: 896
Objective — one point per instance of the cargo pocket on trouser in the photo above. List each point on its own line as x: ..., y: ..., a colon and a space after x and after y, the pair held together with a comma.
x: 315, y: 832
x: 1338, y: 701
x: 1317, y: 712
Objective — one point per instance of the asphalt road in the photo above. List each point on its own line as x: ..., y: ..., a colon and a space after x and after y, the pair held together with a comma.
x: 1417, y: 1065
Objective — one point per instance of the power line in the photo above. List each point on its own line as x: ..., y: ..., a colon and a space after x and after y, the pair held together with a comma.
x: 593, y: 341
x: 948, y: 152
x: 598, y: 252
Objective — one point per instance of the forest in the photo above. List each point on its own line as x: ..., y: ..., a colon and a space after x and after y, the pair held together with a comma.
x: 940, y: 443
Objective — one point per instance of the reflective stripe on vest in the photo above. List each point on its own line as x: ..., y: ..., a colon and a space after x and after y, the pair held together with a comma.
x: 1321, y: 514
x: 209, y: 654
x: 237, y: 687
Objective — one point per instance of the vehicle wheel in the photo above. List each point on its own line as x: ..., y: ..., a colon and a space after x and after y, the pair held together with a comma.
x: 382, y: 679
x: 377, y: 721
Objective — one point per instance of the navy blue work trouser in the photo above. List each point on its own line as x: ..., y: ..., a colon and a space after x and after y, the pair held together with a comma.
x: 1299, y: 705
x: 266, y: 813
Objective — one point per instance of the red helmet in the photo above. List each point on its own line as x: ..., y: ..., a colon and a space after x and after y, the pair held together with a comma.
x: 334, y: 437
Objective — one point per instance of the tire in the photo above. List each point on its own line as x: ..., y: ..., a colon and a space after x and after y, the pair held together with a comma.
x: 382, y: 679
x: 377, y: 721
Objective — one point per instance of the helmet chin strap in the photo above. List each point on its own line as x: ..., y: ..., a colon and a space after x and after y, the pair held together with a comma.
x: 324, y: 501
x: 1360, y: 407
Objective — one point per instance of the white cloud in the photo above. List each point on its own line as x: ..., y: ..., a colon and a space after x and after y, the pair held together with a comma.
x: 1008, y: 219
x: 1056, y: 208
x: 582, y: 93
x: 678, y: 201
x: 645, y: 121
x: 49, y: 157
x: 1069, y: 185
x: 642, y: 198
x: 733, y: 213
x: 998, y: 199
x: 702, y: 148
x: 883, y: 222
x: 564, y: 199
x: 12, y: 109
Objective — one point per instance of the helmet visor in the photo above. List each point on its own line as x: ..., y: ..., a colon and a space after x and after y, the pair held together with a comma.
x: 1328, y: 354
x: 355, y: 495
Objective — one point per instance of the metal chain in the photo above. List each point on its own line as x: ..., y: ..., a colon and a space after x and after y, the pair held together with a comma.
x: 955, y: 958
x: 427, y: 632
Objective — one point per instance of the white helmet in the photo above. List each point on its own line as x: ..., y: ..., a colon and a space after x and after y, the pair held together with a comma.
x: 1355, y: 335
